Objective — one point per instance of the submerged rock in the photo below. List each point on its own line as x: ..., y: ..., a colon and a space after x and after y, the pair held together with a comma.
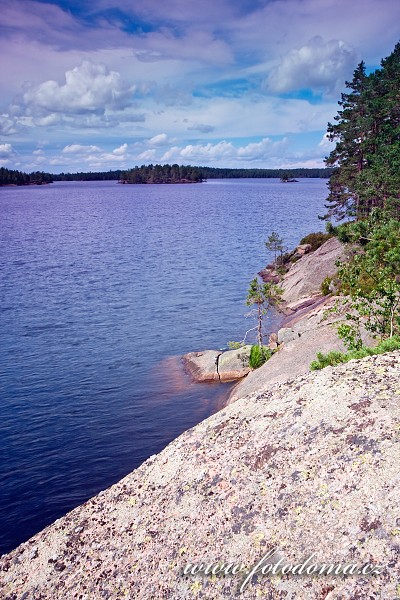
x: 306, y: 467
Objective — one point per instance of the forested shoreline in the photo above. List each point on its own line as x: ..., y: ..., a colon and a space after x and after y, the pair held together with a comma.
x: 14, y: 177
x: 160, y: 174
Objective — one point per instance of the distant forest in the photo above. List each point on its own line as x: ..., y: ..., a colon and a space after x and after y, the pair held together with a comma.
x: 160, y: 174
x: 12, y: 177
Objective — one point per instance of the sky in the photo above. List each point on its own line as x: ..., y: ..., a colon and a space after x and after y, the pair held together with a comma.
x: 93, y: 85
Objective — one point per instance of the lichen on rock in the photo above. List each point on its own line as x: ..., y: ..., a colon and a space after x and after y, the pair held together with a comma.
x: 310, y: 465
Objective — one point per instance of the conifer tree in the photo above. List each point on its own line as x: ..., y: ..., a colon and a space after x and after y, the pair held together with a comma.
x: 347, y: 157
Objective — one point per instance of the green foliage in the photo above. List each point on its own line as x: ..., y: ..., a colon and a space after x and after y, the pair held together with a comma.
x: 235, y: 345
x: 187, y: 173
x: 162, y: 174
x: 264, y: 296
x: 335, y: 358
x: 297, y: 173
x: 261, y: 294
x: 258, y: 356
x: 12, y: 177
x: 371, y: 278
x: 325, y: 291
x: 350, y: 336
x: 366, y: 158
x: 275, y: 244
x: 330, y: 228
x: 316, y: 239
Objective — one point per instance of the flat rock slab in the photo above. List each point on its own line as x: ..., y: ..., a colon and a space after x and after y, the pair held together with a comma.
x: 306, y: 467
x: 304, y: 278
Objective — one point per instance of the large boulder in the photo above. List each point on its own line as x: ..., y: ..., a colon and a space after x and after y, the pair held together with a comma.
x: 211, y: 365
x: 202, y: 366
x: 307, y: 469
x: 234, y: 364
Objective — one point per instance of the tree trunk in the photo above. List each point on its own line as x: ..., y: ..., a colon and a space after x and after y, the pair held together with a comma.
x: 259, y: 329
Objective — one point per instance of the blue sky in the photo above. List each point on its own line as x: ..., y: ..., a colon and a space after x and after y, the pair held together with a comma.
x: 106, y: 84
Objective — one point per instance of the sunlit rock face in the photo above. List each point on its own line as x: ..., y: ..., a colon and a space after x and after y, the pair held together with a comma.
x: 305, y: 467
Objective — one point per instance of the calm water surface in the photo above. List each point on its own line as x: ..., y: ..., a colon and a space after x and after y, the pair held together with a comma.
x: 102, y: 287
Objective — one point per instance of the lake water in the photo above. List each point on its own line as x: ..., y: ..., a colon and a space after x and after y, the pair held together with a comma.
x: 103, y: 287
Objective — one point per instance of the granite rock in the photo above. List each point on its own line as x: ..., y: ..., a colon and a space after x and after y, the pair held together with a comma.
x: 202, y: 366
x: 306, y: 467
x: 305, y: 276
x: 234, y: 364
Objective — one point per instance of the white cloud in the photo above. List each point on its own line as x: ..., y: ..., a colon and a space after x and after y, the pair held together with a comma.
x: 147, y: 155
x: 261, y: 150
x: 79, y: 149
x: 319, y: 66
x: 6, y: 151
x: 7, y: 125
x: 88, y: 88
x: 255, y: 151
x: 325, y: 144
x: 121, y: 150
x: 159, y: 140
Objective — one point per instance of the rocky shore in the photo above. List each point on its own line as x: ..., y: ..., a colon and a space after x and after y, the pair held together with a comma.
x: 298, y: 464
x: 307, y: 466
x: 307, y: 328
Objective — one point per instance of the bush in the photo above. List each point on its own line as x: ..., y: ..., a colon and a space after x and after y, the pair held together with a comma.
x: 316, y: 239
x: 284, y: 259
x: 325, y: 286
x: 336, y: 358
x: 258, y: 356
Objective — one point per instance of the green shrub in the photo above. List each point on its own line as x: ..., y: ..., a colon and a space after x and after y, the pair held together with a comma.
x: 316, y: 239
x: 335, y: 358
x: 235, y: 345
x: 258, y: 356
x: 284, y: 259
x: 325, y: 286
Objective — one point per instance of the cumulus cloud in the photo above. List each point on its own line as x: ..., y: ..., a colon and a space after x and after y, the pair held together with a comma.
x: 321, y: 67
x: 325, y: 144
x: 7, y: 153
x: 80, y: 157
x: 147, y: 155
x: 159, y: 140
x: 208, y: 153
x: 6, y: 150
x: 88, y: 88
x: 79, y: 149
x: 121, y: 150
x: 7, y: 125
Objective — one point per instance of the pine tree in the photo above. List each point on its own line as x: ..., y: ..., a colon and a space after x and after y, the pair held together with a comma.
x: 367, y: 135
x: 347, y: 157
